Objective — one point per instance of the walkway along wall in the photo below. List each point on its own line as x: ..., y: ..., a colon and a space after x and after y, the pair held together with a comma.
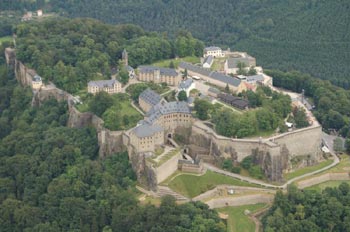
x: 273, y: 154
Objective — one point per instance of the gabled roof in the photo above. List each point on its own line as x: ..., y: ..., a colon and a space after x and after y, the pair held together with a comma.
x: 163, y: 71
x: 214, y: 90
x: 212, y: 74
x: 255, y: 78
x: 103, y: 83
x: 186, y: 83
x: 226, y: 79
x: 211, y: 48
x: 146, y: 130
x: 208, y: 60
x: 150, y: 97
x: 167, y: 108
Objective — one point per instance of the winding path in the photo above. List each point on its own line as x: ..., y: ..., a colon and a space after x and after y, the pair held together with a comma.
x: 261, y: 183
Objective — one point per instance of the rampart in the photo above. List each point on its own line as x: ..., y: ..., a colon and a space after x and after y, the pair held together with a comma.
x: 273, y: 153
x: 323, y: 178
x: 168, y: 168
x: 240, y: 200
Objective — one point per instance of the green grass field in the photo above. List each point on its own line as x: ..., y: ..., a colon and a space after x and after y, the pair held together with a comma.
x: 322, y: 186
x: 302, y: 171
x: 166, y: 63
x: 237, y: 220
x: 5, y: 39
x: 191, y: 185
x: 122, y: 108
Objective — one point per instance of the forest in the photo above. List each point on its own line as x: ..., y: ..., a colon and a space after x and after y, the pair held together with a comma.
x: 308, y: 36
x: 71, y: 52
x: 310, y: 211
x: 51, y: 178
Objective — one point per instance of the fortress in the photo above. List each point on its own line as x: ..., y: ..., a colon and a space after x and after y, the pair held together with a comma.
x: 163, y: 120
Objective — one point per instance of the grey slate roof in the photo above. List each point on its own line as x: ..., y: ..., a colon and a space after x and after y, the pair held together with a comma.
x: 36, y: 78
x: 150, y: 97
x: 166, y: 108
x: 145, y: 130
x: 214, y: 90
x: 163, y: 71
x: 226, y: 79
x: 211, y: 48
x: 212, y: 74
x: 103, y: 83
x: 129, y: 68
x: 255, y: 78
x: 186, y: 83
x: 208, y: 60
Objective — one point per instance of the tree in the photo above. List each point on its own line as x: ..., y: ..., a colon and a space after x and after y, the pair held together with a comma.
x: 252, y: 71
x: 171, y: 64
x: 338, y: 145
x: 202, y: 108
x: 182, y: 96
x: 100, y: 103
x: 300, y: 117
x: 241, y: 68
x: 185, y: 74
x: 123, y: 75
x: 227, y: 88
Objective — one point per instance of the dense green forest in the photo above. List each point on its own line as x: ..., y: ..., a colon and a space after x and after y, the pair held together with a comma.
x: 311, y: 36
x: 51, y: 178
x: 70, y: 52
x: 310, y: 211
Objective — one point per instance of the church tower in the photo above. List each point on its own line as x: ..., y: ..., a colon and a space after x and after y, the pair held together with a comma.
x: 125, y: 57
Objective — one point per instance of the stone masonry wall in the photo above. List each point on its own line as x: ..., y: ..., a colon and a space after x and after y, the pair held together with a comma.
x: 323, y: 178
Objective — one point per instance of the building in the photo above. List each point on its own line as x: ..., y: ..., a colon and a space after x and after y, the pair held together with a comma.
x: 146, y: 137
x: 37, y: 82
x: 159, y: 75
x: 232, y: 63
x: 148, y: 99
x: 131, y: 71
x: 213, y: 92
x: 187, y: 85
x: 27, y: 16
x: 108, y: 86
x: 39, y: 13
x: 208, y: 61
x: 159, y: 123
x: 234, y: 101
x: 219, y: 79
x: 213, y: 51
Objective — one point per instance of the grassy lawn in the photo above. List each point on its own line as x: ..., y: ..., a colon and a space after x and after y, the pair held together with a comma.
x: 343, y: 166
x: 191, y: 186
x: 5, y: 39
x: 302, y: 171
x: 322, y: 186
x: 166, y: 63
x: 167, y: 156
x: 237, y: 221
x: 120, y: 116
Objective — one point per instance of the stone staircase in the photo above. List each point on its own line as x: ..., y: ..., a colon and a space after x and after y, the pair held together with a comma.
x: 163, y: 191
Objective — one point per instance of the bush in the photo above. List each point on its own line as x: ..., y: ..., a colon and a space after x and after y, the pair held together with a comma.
x: 236, y: 170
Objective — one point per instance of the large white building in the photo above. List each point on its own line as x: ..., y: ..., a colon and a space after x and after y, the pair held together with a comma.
x: 108, y: 86
x: 213, y: 51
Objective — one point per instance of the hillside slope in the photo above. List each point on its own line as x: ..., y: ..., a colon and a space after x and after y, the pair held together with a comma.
x: 311, y: 36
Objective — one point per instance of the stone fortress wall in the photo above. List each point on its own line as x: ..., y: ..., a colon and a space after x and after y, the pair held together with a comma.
x: 275, y: 152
